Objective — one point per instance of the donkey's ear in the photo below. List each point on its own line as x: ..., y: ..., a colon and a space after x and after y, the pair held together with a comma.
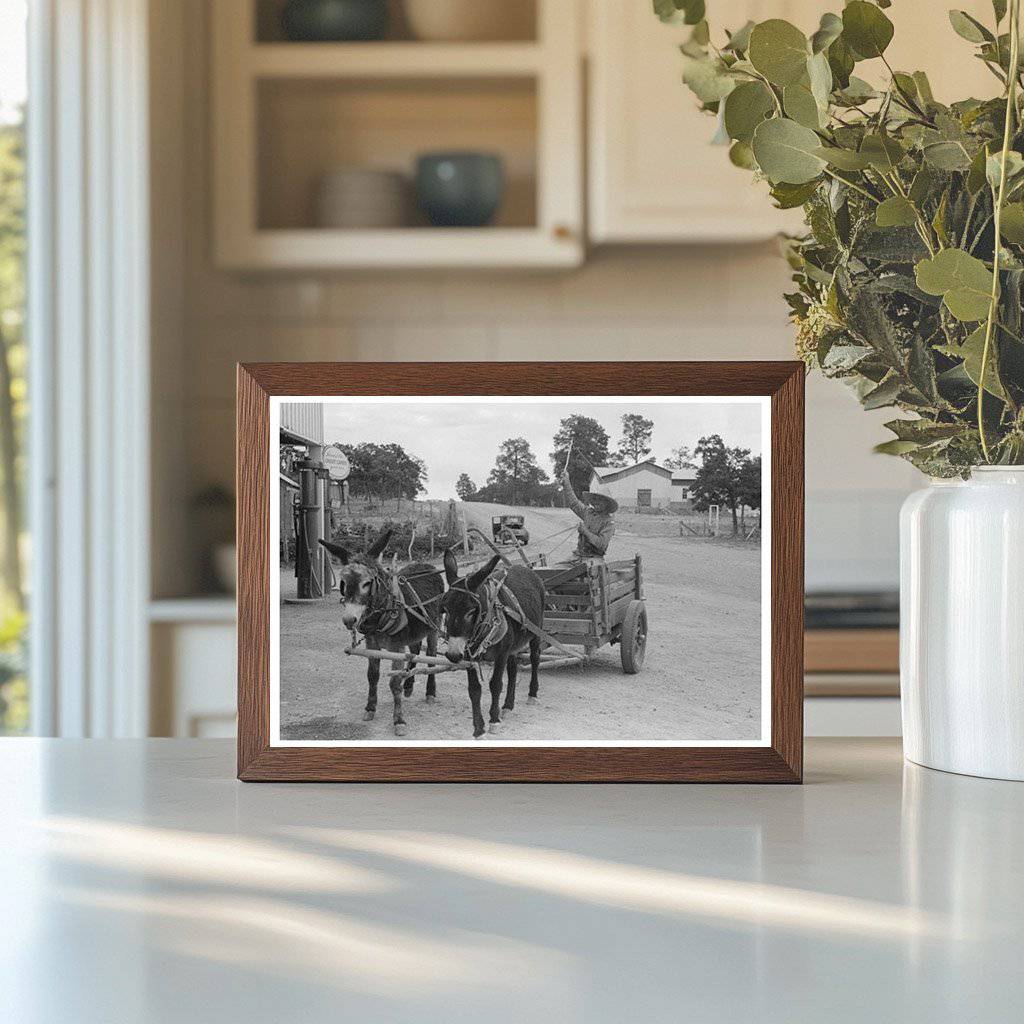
x: 480, y: 575
x: 338, y: 551
x: 451, y: 567
x: 377, y: 547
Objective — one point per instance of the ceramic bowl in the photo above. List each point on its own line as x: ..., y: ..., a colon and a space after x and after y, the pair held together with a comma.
x: 359, y: 197
x: 459, y: 189
x: 471, y: 20
x: 332, y: 21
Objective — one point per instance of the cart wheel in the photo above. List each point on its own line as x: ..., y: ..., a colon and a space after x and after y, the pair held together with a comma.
x: 634, y: 637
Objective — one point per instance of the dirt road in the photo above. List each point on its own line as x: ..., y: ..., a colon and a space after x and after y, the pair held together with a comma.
x: 700, y: 680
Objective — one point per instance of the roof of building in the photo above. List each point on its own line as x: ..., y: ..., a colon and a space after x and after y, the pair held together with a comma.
x: 606, y: 473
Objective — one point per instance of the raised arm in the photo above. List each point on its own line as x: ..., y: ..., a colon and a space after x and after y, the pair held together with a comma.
x: 570, y: 496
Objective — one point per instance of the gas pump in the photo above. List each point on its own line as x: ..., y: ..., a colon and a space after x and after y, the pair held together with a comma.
x: 309, y: 530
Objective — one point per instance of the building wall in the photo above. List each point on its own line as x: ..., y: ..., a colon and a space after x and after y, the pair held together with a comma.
x: 624, y: 489
x: 304, y: 418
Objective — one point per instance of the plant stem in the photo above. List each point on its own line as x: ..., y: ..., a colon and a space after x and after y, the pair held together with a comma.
x: 1011, y: 109
x: 853, y: 185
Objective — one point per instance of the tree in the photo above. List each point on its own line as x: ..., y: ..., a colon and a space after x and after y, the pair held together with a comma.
x: 516, y: 473
x: 719, y: 476
x: 749, y: 485
x: 13, y: 406
x: 384, y: 471
x: 635, y: 445
x: 464, y: 487
x: 589, y: 449
x: 681, y: 458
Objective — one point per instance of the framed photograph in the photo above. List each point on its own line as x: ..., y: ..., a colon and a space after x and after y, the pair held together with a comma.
x: 559, y: 572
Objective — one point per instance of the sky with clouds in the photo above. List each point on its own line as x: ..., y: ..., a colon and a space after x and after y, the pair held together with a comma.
x: 454, y: 437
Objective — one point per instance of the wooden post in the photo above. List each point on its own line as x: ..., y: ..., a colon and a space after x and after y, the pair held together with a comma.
x: 466, y: 549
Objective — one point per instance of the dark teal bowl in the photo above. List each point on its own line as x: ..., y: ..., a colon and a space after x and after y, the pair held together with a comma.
x: 334, y: 21
x: 460, y: 190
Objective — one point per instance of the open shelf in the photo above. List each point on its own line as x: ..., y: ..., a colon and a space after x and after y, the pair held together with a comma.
x: 387, y: 60
x: 520, y: 24
x: 286, y: 114
x: 309, y: 127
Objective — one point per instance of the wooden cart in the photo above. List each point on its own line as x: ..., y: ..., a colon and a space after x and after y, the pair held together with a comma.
x: 594, y: 603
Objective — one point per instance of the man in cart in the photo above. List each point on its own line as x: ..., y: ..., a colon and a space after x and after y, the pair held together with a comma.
x: 597, y: 527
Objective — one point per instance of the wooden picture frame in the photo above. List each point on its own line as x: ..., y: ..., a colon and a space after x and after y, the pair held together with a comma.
x: 778, y: 760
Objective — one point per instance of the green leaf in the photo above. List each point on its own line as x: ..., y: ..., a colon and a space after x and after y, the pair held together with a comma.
x: 843, y: 358
x: 829, y: 30
x: 963, y: 281
x: 923, y: 431
x: 924, y: 88
x: 895, y: 447
x: 819, y: 74
x: 745, y: 108
x: 939, y: 220
x: 883, y: 152
x: 905, y: 84
x: 921, y: 370
x: 1012, y: 224
x: 801, y: 106
x: 779, y: 51
x: 969, y: 28
x: 885, y: 394
x: 741, y: 155
x: 895, y: 212
x: 787, y: 152
x: 857, y: 91
x: 993, y: 167
x: 666, y: 10
x: 999, y: 9
x: 707, y: 78
x: 947, y: 156
x: 690, y: 12
x: 971, y: 351
x: 976, y: 173
x: 788, y: 197
x: 844, y: 159
x: 841, y: 63
x: 701, y: 34
x: 922, y: 185
x: 739, y: 41
x: 866, y: 29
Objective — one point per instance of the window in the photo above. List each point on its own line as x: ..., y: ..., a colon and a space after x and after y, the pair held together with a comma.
x: 643, y: 497
x: 14, y: 706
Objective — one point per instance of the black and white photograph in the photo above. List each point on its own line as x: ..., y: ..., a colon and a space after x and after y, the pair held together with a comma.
x: 535, y: 570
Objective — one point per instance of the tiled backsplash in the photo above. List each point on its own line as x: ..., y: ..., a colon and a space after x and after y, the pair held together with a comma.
x: 718, y: 303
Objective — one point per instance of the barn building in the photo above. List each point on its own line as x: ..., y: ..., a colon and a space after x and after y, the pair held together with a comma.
x: 646, y: 486
x: 302, y: 436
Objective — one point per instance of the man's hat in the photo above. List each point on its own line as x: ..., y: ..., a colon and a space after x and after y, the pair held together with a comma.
x: 600, y: 502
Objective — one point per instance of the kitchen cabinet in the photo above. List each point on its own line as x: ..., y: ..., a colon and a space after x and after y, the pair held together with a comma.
x: 653, y: 175
x: 288, y: 114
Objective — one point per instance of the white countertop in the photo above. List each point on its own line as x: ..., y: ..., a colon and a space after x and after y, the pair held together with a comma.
x: 140, y: 882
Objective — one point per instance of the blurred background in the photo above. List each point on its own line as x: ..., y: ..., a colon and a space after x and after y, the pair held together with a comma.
x: 250, y: 180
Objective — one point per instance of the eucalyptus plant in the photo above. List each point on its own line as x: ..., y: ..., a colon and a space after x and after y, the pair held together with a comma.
x: 910, y: 278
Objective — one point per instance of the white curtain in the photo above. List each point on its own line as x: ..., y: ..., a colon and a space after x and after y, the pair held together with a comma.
x: 88, y: 337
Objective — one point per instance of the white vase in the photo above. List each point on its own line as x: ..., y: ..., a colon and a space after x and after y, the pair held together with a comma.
x: 962, y: 624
